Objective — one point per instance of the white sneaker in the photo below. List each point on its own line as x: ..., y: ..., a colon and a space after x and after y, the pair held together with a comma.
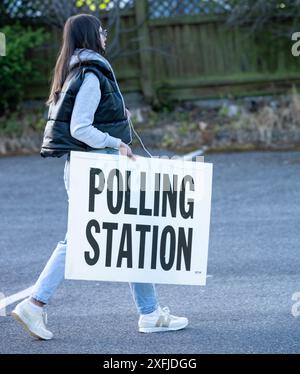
x: 161, y: 320
x: 32, y: 319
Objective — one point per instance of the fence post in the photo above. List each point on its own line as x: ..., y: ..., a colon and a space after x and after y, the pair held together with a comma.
x: 146, y: 63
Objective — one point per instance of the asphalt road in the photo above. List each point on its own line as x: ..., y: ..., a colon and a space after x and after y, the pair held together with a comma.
x: 253, y: 259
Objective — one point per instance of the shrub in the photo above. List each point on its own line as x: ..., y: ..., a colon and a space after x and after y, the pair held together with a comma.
x: 16, y: 69
x: 22, y: 122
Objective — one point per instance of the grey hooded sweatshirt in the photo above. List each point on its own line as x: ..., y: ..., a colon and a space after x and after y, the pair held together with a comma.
x: 86, y: 103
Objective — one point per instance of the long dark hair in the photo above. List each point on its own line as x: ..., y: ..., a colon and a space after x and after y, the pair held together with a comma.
x: 80, y: 31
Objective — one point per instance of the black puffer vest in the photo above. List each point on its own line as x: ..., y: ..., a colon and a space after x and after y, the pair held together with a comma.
x: 110, y: 115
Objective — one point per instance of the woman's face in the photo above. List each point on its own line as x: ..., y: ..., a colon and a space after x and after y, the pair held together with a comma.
x: 103, y: 36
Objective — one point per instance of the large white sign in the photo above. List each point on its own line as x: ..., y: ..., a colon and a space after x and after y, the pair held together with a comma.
x: 138, y: 221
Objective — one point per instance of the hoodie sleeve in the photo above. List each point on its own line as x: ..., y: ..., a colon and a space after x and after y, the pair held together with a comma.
x: 85, y: 106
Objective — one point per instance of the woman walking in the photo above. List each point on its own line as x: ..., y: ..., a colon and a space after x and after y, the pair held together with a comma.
x: 86, y: 113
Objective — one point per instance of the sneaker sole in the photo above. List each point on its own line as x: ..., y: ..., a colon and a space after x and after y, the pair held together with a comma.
x: 160, y: 329
x: 25, y: 326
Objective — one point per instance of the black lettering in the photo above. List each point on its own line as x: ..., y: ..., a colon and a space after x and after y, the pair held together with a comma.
x: 184, y: 248
x: 169, y: 193
x: 143, y: 229
x: 110, y: 180
x: 128, y: 209
x: 190, y: 203
x: 156, y: 195
x: 154, y: 247
x: 125, y: 237
x: 93, y: 243
x: 93, y: 190
x: 109, y: 226
x: 167, y: 265
x: 143, y: 211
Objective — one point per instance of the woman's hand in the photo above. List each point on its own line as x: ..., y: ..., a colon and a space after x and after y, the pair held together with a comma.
x: 125, y: 150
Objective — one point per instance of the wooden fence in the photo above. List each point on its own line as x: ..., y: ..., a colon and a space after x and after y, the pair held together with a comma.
x: 190, y: 57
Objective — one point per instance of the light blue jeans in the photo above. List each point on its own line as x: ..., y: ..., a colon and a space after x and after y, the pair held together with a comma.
x: 144, y: 294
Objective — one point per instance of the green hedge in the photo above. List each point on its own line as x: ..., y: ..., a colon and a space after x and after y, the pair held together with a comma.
x: 17, y: 70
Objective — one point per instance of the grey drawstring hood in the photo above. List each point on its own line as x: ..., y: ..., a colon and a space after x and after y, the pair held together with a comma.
x: 85, y: 54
